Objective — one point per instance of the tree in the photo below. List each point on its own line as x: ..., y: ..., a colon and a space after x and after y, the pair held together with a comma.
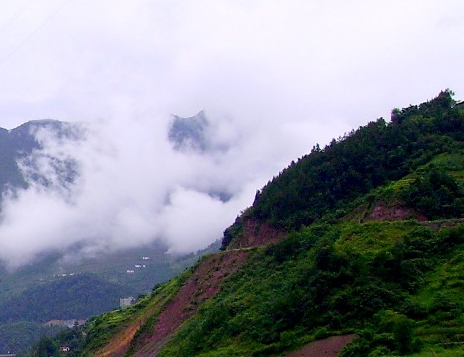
x: 46, y: 347
x: 403, y: 333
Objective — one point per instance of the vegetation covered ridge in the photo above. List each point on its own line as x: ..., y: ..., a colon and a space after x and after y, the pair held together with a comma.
x: 324, y: 183
x: 379, y: 260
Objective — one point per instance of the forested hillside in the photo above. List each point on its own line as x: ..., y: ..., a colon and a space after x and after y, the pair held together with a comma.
x: 47, y: 290
x: 74, y: 297
x: 362, y: 240
x: 77, y: 297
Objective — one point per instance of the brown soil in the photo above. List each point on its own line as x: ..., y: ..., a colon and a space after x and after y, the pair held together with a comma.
x: 385, y: 212
x: 120, y: 343
x: 329, y: 347
x: 201, y: 285
x: 382, y: 211
x: 256, y: 233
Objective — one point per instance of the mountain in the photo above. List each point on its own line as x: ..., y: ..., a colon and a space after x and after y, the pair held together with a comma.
x: 196, y: 136
x: 18, y: 143
x: 189, y: 133
x: 356, y: 247
x: 32, y: 293
x: 70, y: 298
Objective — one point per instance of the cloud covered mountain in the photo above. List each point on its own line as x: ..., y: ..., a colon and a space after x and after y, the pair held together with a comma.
x: 189, y: 133
x: 17, y: 145
x: 83, y: 188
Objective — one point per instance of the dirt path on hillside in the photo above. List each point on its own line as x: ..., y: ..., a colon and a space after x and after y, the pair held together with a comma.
x: 329, y: 347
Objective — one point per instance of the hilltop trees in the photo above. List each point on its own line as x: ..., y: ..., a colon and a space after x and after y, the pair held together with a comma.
x: 327, y: 179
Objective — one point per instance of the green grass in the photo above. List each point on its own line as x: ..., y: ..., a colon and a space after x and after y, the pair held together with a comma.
x: 438, y: 351
x: 101, y: 328
x: 371, y: 238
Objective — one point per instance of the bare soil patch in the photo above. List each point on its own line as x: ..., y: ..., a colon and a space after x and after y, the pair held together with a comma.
x: 200, y: 286
x: 256, y: 233
x: 385, y: 212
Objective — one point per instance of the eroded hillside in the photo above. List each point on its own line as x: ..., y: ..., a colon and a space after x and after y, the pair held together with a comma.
x: 148, y: 332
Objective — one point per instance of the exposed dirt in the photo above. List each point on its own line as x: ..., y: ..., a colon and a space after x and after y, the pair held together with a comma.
x: 256, y: 233
x: 119, y: 344
x: 385, y: 212
x: 382, y: 211
x: 200, y: 286
x: 329, y: 347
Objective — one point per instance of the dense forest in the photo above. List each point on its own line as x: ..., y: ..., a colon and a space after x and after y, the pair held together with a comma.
x: 73, y: 297
x: 372, y: 246
x: 325, y: 182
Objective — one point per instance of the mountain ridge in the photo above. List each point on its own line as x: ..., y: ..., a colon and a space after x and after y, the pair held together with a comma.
x: 362, y: 238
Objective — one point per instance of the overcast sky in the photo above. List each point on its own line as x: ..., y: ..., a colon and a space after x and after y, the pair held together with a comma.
x: 274, y: 78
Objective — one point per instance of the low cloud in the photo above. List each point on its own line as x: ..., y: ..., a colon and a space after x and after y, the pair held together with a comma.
x: 129, y: 187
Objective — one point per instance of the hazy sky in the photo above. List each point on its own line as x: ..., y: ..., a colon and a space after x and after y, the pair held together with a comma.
x: 274, y: 78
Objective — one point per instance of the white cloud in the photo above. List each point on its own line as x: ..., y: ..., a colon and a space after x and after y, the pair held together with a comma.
x: 275, y: 77
x: 132, y: 187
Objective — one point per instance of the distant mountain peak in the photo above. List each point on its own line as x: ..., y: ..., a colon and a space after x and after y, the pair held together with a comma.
x: 189, y: 133
x: 17, y: 144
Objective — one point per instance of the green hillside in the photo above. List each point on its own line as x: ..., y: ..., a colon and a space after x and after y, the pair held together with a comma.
x: 75, y: 297
x: 363, y: 238
x: 325, y: 182
x: 50, y: 289
x: 370, y: 279
x: 17, y: 337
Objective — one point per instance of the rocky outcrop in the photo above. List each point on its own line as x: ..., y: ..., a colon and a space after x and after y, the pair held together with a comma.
x: 383, y: 211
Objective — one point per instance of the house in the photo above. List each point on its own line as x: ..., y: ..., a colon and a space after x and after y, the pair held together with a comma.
x: 125, y: 302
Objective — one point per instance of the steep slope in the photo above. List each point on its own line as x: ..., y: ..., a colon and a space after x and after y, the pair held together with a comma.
x: 50, y: 289
x: 328, y: 280
x: 326, y: 181
x: 149, y: 329
x: 363, y: 239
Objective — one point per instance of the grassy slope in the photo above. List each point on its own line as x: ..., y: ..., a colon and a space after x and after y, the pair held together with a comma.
x: 283, y: 298
x: 326, y: 280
